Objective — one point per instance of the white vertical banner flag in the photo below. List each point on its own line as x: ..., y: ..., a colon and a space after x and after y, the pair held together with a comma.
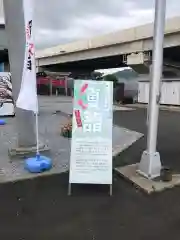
x: 27, y: 98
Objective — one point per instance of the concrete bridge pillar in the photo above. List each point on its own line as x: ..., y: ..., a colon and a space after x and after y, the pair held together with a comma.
x: 14, y: 20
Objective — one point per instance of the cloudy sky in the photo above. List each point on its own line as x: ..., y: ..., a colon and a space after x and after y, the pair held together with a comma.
x: 62, y: 21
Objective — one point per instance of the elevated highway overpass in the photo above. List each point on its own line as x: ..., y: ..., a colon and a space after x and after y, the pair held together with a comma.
x: 132, y: 47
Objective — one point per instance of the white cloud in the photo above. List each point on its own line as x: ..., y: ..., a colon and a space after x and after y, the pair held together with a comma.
x: 59, y: 22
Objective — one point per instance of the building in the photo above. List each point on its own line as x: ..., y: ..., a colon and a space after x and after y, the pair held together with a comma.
x: 4, y: 61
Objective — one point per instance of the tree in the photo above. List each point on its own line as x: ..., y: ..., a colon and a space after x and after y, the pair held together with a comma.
x: 111, y: 78
x: 96, y: 75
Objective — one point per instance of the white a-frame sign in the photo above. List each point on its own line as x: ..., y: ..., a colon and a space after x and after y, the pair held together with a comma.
x: 91, y: 146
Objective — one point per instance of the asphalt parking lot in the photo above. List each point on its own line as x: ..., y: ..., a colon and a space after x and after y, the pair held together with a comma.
x: 168, y: 136
x: 40, y: 208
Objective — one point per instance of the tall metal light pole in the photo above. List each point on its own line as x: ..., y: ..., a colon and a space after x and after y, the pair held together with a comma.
x: 150, y: 165
x: 14, y: 21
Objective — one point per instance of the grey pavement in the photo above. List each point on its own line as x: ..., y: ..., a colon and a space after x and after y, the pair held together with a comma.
x: 40, y: 209
x: 64, y: 104
x: 50, y: 124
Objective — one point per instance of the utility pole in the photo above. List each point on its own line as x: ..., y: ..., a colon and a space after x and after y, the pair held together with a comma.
x: 14, y: 24
x: 150, y: 165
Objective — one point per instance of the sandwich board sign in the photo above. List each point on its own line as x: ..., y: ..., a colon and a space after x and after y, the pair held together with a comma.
x: 91, y: 145
x: 6, y: 98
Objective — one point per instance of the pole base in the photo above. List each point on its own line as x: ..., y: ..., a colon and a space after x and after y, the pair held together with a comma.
x: 26, y: 151
x: 150, y: 165
x: 38, y: 164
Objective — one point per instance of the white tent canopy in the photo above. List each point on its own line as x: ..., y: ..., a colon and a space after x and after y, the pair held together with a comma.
x: 111, y: 70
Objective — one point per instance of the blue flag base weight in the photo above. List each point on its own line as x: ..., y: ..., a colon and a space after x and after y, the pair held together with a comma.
x: 2, y: 122
x: 38, y: 164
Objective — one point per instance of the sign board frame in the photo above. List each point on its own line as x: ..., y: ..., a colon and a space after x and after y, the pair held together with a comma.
x: 91, y: 144
x: 6, y: 98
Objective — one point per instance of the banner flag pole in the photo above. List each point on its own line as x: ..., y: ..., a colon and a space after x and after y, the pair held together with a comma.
x: 27, y: 98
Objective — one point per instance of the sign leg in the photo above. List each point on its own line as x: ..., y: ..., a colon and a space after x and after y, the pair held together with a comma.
x: 110, y: 190
x: 69, y: 189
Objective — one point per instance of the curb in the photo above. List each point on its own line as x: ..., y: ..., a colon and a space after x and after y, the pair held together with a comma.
x: 163, y: 108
